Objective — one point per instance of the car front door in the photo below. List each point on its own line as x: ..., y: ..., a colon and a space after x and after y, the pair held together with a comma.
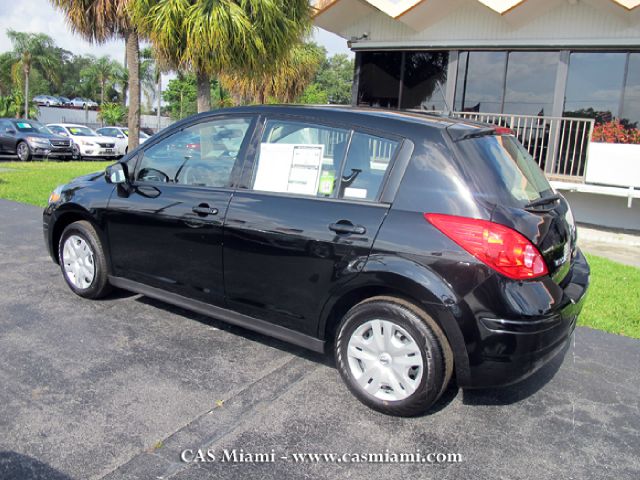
x: 165, y: 229
x: 306, y: 223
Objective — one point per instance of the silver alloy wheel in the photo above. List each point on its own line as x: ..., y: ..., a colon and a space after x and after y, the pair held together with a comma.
x: 23, y: 151
x: 79, y: 262
x: 385, y: 360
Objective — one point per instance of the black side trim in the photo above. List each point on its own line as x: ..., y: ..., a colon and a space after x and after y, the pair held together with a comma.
x: 228, y: 316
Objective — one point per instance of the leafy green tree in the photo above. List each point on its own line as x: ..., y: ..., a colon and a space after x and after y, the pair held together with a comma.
x: 208, y: 37
x: 314, y: 95
x: 12, y: 105
x: 101, y: 72
x: 283, y: 81
x: 112, y: 113
x: 33, y: 50
x: 181, y: 96
x: 332, y: 82
x: 102, y: 20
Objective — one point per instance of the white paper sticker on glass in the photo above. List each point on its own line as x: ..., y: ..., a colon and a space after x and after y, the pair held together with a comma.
x: 290, y: 168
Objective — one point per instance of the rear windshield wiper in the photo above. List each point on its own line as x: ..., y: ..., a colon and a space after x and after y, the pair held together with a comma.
x: 535, y: 204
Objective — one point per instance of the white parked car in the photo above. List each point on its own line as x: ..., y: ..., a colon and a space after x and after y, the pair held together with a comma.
x: 86, y: 142
x: 121, y: 134
x: 83, y: 102
x: 46, y: 100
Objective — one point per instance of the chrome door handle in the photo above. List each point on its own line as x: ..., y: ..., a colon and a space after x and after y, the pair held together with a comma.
x: 344, y: 228
x: 203, y: 209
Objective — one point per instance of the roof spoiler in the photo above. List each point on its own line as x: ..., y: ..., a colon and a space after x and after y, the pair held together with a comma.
x: 459, y: 132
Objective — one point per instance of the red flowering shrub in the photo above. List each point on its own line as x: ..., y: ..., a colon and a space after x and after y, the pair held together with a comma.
x: 615, y: 132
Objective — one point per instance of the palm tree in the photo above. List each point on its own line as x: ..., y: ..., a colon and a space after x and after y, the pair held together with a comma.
x: 102, y: 20
x: 284, y: 82
x: 208, y: 37
x: 102, y: 71
x: 33, y: 50
x: 151, y: 77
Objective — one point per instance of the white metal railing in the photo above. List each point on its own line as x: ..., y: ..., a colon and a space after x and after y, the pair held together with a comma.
x: 560, y: 145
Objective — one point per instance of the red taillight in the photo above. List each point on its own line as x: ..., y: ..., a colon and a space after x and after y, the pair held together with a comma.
x: 502, y: 248
x: 503, y: 131
x: 193, y: 146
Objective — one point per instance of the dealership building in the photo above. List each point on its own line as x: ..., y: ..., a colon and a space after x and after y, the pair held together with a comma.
x: 551, y: 70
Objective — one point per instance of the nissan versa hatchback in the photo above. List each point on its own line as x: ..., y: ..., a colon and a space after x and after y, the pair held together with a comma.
x: 417, y: 248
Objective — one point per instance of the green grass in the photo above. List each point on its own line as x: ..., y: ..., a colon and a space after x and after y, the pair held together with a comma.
x: 32, y: 182
x: 613, y: 304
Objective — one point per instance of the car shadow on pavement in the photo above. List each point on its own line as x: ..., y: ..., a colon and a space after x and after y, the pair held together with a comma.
x: 325, y: 359
x: 487, y: 396
x: 518, y: 391
x: 15, y: 466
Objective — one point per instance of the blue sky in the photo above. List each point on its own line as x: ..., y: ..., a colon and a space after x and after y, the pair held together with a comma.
x: 40, y: 16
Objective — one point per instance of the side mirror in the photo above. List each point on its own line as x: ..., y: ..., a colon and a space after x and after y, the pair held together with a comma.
x: 116, y: 174
x: 119, y: 136
x: 10, y: 131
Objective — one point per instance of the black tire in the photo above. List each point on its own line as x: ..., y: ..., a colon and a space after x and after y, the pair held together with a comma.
x: 437, y: 365
x: 99, y: 286
x: 23, y: 146
x: 76, y: 152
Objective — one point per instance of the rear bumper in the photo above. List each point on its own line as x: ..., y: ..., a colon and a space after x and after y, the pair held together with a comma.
x: 511, y: 349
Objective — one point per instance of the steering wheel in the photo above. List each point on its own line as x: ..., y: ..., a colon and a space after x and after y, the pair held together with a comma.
x: 153, y: 175
x: 197, y: 174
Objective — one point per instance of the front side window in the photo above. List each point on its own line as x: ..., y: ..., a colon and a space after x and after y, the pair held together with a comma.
x: 201, y: 155
x: 309, y: 159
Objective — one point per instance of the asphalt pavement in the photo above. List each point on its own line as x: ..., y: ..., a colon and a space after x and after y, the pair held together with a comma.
x: 118, y: 388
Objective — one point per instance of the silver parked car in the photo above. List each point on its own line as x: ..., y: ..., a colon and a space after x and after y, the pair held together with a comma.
x: 81, y: 102
x: 46, y: 100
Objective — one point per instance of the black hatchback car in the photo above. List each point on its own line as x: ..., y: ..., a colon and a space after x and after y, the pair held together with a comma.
x: 29, y: 138
x: 414, y: 246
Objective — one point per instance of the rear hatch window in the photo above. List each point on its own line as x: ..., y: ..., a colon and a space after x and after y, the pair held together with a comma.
x: 503, y: 173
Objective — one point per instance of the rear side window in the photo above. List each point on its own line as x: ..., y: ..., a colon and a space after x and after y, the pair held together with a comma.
x: 503, y: 169
x: 368, y: 160
x: 316, y: 160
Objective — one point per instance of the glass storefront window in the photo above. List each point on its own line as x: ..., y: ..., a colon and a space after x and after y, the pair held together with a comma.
x: 531, y: 81
x: 594, y: 85
x: 480, y: 83
x: 422, y: 72
x: 379, y: 79
x: 630, y: 114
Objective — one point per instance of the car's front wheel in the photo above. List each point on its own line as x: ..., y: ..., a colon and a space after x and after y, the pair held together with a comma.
x: 393, y: 356
x: 23, y: 151
x: 82, y: 260
x: 76, y: 155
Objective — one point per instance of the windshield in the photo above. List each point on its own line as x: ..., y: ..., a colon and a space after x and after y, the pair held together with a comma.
x: 142, y: 134
x: 81, y: 131
x: 31, y: 126
x: 504, y: 169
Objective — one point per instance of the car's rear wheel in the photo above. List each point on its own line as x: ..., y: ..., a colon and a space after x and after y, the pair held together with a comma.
x: 393, y: 356
x: 23, y: 152
x: 82, y: 260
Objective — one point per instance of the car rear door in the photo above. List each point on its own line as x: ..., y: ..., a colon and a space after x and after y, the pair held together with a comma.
x: 166, y: 229
x: 306, y: 221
